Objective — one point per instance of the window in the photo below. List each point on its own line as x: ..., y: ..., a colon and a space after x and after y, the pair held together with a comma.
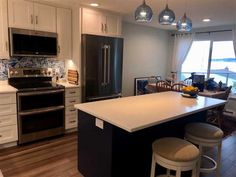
x: 214, y: 59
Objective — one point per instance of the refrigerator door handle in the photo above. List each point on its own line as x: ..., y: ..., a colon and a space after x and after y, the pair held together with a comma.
x: 108, y: 63
x: 104, y: 65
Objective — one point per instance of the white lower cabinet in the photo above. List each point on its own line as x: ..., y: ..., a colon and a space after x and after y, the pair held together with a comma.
x: 71, y: 98
x: 8, y: 118
x: 8, y: 134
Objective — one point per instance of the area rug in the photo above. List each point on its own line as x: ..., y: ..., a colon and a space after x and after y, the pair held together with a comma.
x: 228, y: 125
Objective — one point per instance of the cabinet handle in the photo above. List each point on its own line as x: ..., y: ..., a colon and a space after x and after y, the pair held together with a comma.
x: 1, y: 136
x: 102, y: 27
x: 72, y: 92
x: 73, y: 121
x: 36, y: 19
x: 31, y: 19
x: 106, y: 28
x: 72, y: 110
x: 58, y: 49
x: 6, y: 49
x: 70, y: 102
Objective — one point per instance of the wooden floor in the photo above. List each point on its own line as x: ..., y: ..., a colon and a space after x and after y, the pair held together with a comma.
x: 58, y: 158
x: 50, y: 158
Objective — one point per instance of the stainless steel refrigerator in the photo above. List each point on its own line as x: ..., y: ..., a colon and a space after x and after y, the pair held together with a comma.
x: 102, y: 59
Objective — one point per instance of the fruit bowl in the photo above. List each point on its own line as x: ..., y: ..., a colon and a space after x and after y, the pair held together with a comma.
x: 191, y: 93
x: 190, y: 90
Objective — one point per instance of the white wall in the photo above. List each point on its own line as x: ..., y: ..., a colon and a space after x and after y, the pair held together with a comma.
x: 145, y: 54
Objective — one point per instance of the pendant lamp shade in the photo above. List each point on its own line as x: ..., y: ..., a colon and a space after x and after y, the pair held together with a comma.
x: 167, y: 16
x: 184, y: 24
x: 143, y: 13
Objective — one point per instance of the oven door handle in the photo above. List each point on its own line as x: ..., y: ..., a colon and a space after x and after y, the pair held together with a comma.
x: 40, y: 92
x: 42, y: 110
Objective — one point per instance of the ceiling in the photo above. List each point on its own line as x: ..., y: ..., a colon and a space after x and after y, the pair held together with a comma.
x: 221, y: 12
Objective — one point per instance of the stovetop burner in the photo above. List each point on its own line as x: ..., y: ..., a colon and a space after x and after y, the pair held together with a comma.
x: 29, y: 79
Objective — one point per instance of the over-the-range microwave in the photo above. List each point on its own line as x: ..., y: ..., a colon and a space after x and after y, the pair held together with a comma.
x: 32, y: 43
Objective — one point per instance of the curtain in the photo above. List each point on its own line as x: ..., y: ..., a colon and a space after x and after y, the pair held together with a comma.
x: 234, y: 37
x: 182, y: 44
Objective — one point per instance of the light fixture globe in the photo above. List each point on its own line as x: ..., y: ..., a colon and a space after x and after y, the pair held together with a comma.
x: 167, y: 16
x: 143, y: 13
x: 184, y: 24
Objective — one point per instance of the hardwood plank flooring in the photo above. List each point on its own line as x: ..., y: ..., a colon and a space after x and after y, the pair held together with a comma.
x: 57, y: 157
x: 50, y: 158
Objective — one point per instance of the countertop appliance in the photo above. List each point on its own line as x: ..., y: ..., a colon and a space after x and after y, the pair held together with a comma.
x: 40, y: 103
x: 102, y: 59
x: 32, y: 43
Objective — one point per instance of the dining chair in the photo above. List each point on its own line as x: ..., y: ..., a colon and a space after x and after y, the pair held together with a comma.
x: 162, y: 86
x: 214, y: 116
x: 177, y: 87
x: 188, y: 81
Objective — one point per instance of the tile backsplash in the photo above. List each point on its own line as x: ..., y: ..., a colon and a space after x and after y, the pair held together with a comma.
x: 30, y: 62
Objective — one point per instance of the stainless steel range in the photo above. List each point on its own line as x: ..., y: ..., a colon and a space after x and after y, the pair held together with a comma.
x: 40, y: 103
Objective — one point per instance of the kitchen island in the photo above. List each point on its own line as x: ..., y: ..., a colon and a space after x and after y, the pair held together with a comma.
x: 115, y: 136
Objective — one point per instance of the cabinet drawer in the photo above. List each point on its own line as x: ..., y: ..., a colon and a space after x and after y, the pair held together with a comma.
x: 72, y: 100
x: 70, y: 110
x: 71, y: 121
x: 72, y: 92
x: 8, y: 120
x: 8, y: 134
x: 7, y: 109
x: 7, y: 98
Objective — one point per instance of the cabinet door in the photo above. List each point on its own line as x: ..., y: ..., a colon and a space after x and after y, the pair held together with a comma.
x: 113, y: 25
x: 20, y: 14
x: 4, y: 52
x: 45, y: 17
x: 64, y: 26
x: 92, y: 22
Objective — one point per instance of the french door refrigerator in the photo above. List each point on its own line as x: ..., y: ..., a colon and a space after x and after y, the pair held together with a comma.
x: 102, y: 59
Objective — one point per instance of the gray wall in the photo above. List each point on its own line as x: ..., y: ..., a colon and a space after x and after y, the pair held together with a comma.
x: 145, y: 54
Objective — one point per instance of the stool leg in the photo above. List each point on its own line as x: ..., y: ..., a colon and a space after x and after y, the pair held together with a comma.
x: 168, y: 173
x: 194, y: 172
x: 218, y: 160
x: 199, y: 161
x: 178, y: 173
x: 153, y: 168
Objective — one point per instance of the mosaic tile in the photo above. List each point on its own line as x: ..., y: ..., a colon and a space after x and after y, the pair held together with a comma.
x: 30, y: 62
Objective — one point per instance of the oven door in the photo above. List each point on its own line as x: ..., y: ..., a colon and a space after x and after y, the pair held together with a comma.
x: 41, y: 114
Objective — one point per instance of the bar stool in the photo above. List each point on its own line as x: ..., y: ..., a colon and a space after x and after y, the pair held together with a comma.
x: 174, y: 154
x: 206, y: 135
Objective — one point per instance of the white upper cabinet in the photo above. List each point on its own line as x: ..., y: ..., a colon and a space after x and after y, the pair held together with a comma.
x: 21, y: 14
x: 29, y: 15
x: 99, y: 23
x: 64, y: 30
x: 45, y: 17
x: 4, y: 45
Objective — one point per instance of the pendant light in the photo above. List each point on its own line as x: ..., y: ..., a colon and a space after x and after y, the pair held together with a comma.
x: 143, y: 13
x: 167, y: 16
x: 184, y: 24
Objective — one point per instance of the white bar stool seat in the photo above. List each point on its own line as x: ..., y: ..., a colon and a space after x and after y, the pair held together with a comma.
x: 174, y: 154
x: 206, y: 135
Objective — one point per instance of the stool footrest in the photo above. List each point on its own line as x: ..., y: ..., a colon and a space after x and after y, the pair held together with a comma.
x: 209, y: 170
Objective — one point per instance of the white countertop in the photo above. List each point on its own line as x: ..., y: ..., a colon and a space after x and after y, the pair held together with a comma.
x: 5, y: 88
x: 67, y: 85
x: 139, y: 112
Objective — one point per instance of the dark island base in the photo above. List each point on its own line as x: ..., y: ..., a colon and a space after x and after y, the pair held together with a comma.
x: 114, y: 152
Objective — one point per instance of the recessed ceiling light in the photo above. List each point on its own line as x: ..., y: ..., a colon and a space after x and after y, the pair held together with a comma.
x: 94, y: 4
x: 206, y: 20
